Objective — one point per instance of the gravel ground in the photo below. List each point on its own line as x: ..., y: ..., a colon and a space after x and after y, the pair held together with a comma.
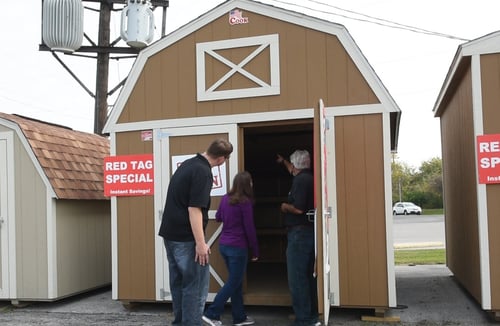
x: 426, y: 295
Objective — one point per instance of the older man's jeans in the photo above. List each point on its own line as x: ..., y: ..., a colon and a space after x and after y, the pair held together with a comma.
x: 236, y: 262
x: 300, y: 264
x: 188, y: 283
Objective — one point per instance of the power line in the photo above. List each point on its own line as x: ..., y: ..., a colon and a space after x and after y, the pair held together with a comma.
x: 37, y: 108
x: 375, y: 20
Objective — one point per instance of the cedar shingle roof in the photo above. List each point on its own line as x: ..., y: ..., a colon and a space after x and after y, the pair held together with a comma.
x: 71, y: 160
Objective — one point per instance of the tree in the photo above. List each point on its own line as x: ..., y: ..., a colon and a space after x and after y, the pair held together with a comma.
x: 423, y: 186
x: 401, y: 180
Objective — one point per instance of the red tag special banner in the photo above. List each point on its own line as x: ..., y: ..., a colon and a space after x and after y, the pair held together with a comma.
x: 129, y: 175
x: 488, y: 156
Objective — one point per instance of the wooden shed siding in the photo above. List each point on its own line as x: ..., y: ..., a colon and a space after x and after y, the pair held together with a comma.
x: 361, y: 211
x: 490, y: 87
x: 31, y: 227
x: 135, y: 232
x: 460, y: 187
x: 83, y: 245
x: 313, y: 65
x: 493, y: 194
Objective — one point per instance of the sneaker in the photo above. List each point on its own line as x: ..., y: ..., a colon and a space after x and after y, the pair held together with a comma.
x: 212, y: 322
x: 247, y: 321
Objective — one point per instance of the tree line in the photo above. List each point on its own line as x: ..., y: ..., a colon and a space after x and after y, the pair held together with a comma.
x: 422, y: 186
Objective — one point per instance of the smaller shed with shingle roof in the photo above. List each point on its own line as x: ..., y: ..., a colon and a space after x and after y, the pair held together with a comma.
x: 55, y: 232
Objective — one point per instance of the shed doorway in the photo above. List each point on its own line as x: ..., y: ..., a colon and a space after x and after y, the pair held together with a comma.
x: 266, y: 282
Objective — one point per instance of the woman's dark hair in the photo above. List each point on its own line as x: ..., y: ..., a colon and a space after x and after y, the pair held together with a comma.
x: 242, y: 189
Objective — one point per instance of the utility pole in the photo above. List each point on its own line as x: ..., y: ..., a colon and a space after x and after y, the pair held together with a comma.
x: 103, y: 48
x: 102, y: 73
x: 399, y: 187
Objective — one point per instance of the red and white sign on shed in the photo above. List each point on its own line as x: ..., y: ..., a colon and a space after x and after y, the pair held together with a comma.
x: 488, y: 156
x: 129, y: 175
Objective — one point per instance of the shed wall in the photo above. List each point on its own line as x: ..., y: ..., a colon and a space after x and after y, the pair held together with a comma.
x: 313, y: 65
x: 490, y: 91
x: 460, y: 187
x: 83, y: 233
x: 31, y: 227
x: 136, y: 232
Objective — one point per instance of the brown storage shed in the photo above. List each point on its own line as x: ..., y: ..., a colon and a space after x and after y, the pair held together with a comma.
x: 468, y: 108
x: 55, y: 223
x: 270, y: 81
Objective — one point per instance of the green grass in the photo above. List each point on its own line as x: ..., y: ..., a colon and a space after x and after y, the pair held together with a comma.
x: 420, y: 257
x: 432, y: 211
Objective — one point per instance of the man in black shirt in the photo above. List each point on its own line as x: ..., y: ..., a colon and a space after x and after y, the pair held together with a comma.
x: 300, y: 255
x: 184, y: 220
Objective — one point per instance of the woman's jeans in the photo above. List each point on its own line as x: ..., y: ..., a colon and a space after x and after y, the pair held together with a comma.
x: 300, y: 265
x: 188, y: 283
x: 236, y: 262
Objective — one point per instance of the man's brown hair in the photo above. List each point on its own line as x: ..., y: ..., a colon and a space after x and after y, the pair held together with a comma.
x: 220, y: 148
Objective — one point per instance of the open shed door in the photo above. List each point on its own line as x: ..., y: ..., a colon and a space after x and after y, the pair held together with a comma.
x: 324, y: 194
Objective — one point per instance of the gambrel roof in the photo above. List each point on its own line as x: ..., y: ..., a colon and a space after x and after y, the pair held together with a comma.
x: 489, y: 43
x: 113, y: 124
x: 71, y: 161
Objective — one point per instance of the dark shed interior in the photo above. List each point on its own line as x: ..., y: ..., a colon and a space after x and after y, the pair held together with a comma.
x: 272, y: 182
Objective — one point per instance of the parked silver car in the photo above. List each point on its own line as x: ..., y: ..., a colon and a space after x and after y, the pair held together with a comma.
x: 406, y: 208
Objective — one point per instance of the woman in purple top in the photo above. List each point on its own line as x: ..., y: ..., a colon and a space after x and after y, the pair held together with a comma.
x: 237, y: 237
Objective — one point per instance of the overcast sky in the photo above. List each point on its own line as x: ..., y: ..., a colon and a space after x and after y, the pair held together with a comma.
x: 411, y: 65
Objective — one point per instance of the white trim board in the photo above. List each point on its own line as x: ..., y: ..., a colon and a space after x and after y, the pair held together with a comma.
x: 482, y: 203
x: 10, y: 249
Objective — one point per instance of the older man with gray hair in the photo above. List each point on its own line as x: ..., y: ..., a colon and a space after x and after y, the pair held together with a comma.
x: 300, y: 254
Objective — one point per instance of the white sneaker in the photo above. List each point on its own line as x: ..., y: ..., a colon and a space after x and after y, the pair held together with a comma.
x: 211, y: 322
x: 248, y: 321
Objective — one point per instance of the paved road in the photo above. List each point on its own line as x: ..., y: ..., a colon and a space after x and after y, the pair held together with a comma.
x: 419, y: 231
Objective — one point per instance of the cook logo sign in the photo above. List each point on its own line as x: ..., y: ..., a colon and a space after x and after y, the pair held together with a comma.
x: 488, y: 156
x: 129, y: 175
x: 236, y: 17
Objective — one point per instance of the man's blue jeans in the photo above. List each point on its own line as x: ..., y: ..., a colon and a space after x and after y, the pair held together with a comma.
x: 236, y: 262
x: 188, y: 283
x: 300, y: 265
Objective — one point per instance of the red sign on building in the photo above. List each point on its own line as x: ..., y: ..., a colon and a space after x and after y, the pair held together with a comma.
x: 129, y: 175
x: 488, y: 156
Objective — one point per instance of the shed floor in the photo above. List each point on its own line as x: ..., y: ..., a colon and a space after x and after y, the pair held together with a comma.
x: 267, y: 284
